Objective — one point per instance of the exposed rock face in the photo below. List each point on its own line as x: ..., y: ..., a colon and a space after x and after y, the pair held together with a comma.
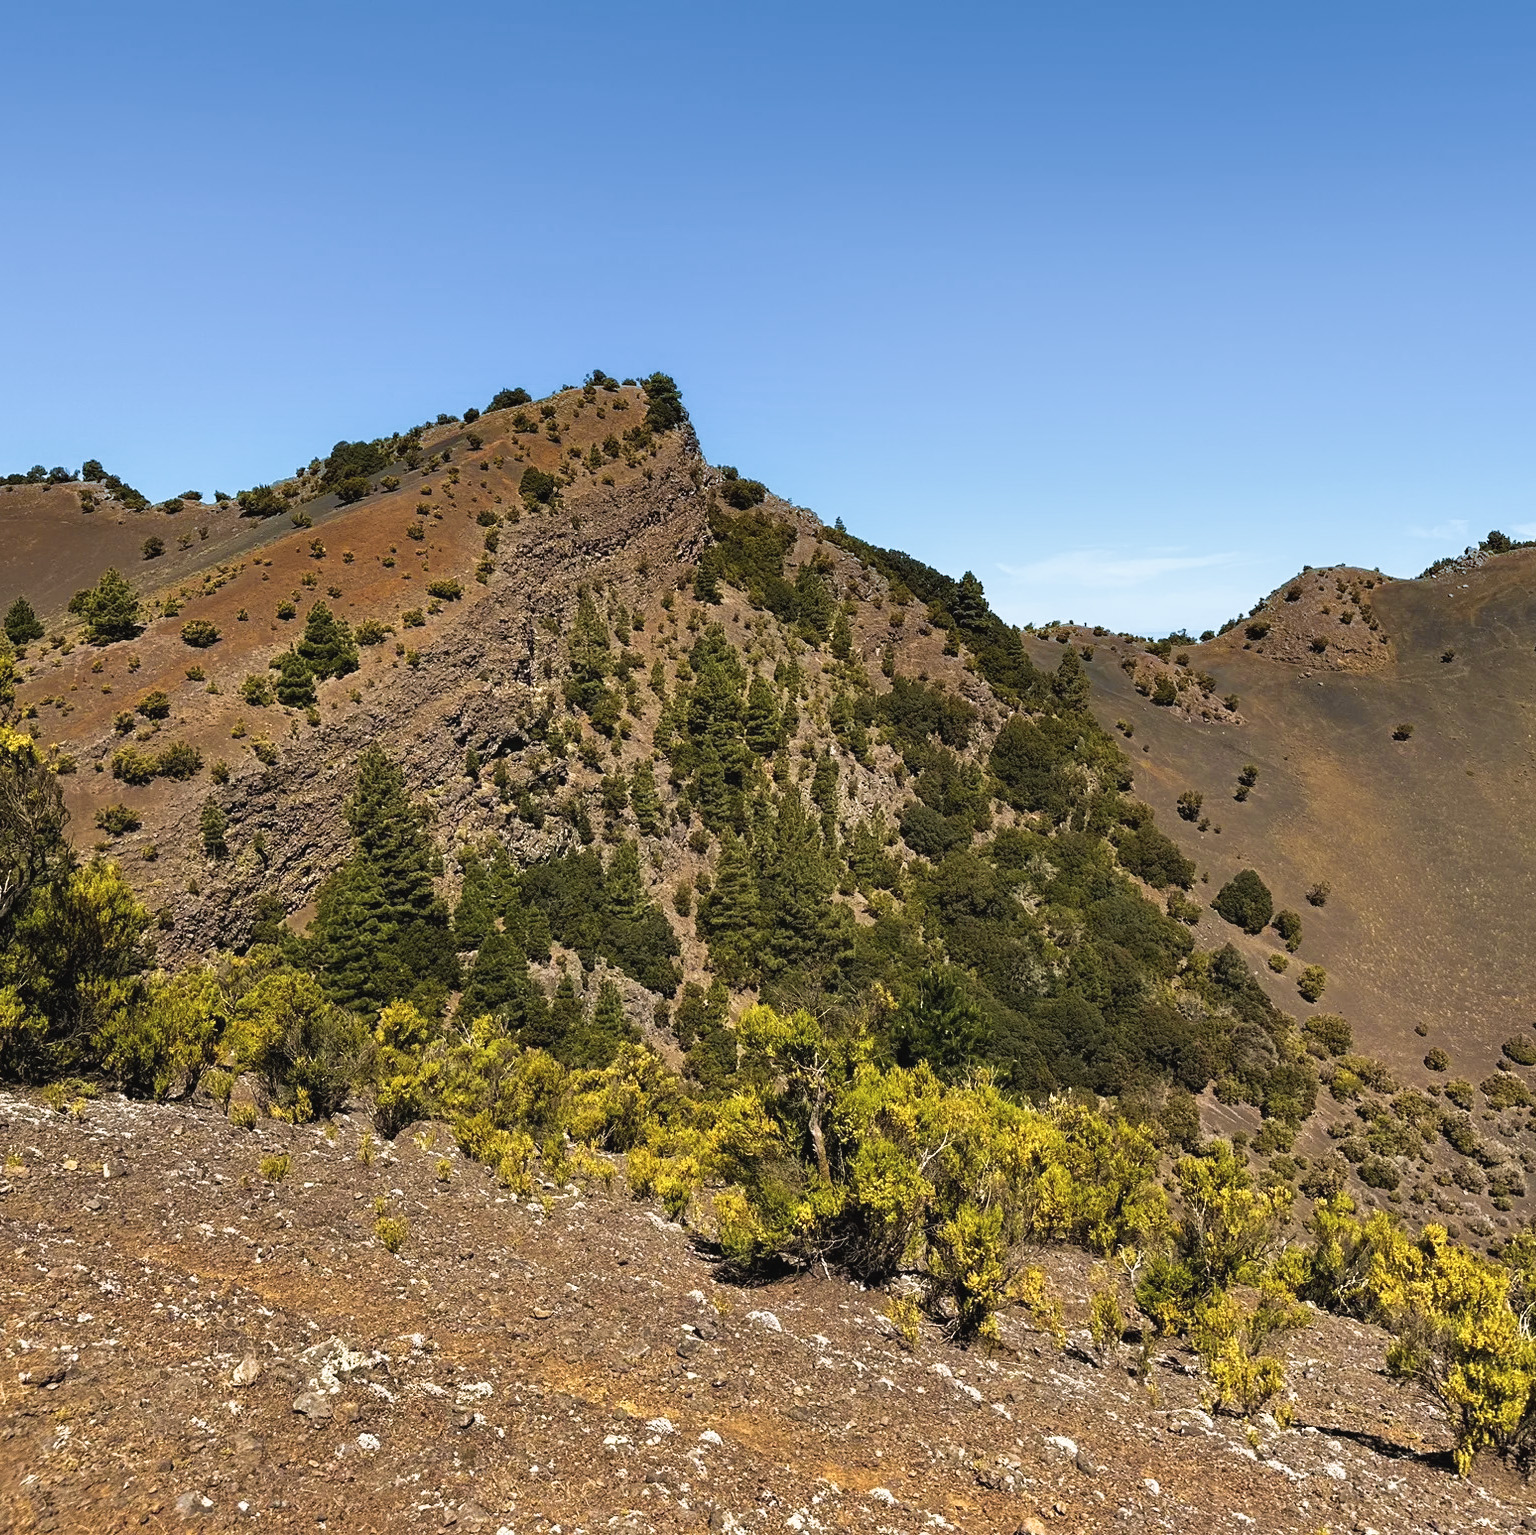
x: 479, y: 679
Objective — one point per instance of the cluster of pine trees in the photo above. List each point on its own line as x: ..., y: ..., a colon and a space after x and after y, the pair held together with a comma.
x: 1028, y: 948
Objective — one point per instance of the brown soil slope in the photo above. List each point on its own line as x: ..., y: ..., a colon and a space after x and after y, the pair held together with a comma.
x: 1428, y: 843
x: 186, y: 1343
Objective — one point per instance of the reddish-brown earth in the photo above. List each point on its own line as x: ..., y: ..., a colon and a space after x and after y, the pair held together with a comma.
x: 187, y: 1344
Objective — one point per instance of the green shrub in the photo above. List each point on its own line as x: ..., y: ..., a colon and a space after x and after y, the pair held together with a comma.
x: 446, y: 590
x: 1504, y: 1090
x: 740, y: 493
x: 305, y: 1050
x: 392, y: 1231
x: 161, y: 1046
x: 133, y: 766
x: 256, y: 690
x: 1379, y: 1173
x: 371, y: 632
x: 1311, y: 982
x: 1437, y: 1060
x: 115, y: 820
x: 180, y: 760
x: 260, y: 501
x: 1458, y: 1131
x: 1330, y: 1033
x: 199, y: 633
x: 536, y: 487
x: 1245, y: 902
x: 1459, y: 1091
x: 1288, y: 924
x: 1521, y: 1049
x: 1189, y: 805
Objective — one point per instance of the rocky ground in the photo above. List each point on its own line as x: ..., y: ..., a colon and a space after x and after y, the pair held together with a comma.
x: 189, y: 1338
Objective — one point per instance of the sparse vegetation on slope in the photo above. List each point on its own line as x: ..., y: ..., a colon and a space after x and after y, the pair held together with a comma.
x: 769, y: 861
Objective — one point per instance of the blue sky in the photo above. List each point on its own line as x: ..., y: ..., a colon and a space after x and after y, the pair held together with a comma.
x: 1133, y: 309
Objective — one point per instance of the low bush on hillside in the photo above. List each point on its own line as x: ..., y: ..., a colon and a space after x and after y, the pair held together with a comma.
x: 1245, y: 902
x: 199, y: 633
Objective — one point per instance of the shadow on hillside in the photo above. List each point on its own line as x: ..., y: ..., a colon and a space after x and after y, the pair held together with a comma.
x: 1379, y: 1444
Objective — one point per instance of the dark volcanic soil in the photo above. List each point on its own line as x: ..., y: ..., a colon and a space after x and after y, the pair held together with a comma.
x: 188, y: 1343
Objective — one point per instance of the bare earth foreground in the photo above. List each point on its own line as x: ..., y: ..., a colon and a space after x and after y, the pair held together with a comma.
x: 188, y: 1343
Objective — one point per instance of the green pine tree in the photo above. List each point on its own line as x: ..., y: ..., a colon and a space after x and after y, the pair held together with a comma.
x: 729, y: 915
x: 801, y: 924
x: 537, y: 937
x: 213, y: 824
x: 941, y: 1023
x: 391, y: 833
x: 597, y: 1041
x: 624, y: 897
x: 499, y: 976
x: 475, y: 915
x: 352, y: 933
x: 21, y: 623
x: 327, y: 647
x: 814, y: 602
x: 1070, y: 684
x: 644, y: 799
x: 591, y: 663
x: 295, y: 684
x: 824, y: 796
x: 614, y: 791
x: 842, y: 638
x: 763, y: 724
x: 970, y: 609
x: 565, y: 1016
x: 711, y: 1052
x: 110, y: 609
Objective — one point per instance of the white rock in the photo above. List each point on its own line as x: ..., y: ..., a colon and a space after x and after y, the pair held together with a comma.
x: 709, y: 1436
x: 1067, y: 1446
x: 883, y: 1495
x: 1335, y: 1470
x: 660, y: 1426
x: 1152, y: 1485
x: 767, y: 1319
x: 367, y: 1441
x: 246, y: 1372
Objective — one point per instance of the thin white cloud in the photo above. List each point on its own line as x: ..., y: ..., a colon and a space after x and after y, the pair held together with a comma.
x: 1451, y: 528
x: 1110, y: 570
x: 1523, y: 529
